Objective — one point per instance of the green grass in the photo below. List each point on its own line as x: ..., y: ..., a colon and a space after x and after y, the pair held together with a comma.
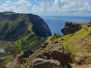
x: 70, y: 40
x: 26, y: 41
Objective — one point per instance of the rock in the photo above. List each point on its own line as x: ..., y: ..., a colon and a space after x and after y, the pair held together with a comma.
x: 13, y: 64
x: 57, y: 52
x: 56, y: 57
x: 70, y: 28
x: 43, y: 63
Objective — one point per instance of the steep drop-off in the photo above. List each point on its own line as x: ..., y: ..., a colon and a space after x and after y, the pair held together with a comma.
x: 14, y: 25
x: 23, y: 30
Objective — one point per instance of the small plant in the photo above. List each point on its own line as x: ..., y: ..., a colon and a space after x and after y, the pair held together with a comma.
x: 25, y: 64
x: 72, y: 50
x: 55, y: 35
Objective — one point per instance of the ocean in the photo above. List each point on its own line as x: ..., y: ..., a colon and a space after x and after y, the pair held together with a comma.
x: 56, y: 23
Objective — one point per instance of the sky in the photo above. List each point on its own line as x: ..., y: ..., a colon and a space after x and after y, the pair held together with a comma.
x: 47, y: 7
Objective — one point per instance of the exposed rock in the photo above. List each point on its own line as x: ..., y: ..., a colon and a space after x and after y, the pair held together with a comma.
x: 13, y: 64
x: 43, y: 63
x: 57, y: 52
x: 70, y: 28
x: 56, y: 57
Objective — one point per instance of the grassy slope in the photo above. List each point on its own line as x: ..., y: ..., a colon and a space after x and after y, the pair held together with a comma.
x: 70, y: 42
x: 24, y: 38
x: 11, y: 24
x: 29, y: 43
x: 25, y: 41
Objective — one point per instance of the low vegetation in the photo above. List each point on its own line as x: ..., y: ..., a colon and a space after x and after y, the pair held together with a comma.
x: 74, y: 44
x: 72, y: 41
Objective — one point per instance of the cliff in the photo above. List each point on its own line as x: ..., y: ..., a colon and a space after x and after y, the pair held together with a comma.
x: 14, y: 25
x: 70, y: 28
x: 22, y: 31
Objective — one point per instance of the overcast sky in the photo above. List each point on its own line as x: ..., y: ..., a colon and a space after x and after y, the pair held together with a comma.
x: 47, y: 7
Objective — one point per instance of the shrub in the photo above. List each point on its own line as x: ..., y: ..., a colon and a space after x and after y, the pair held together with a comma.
x: 55, y: 35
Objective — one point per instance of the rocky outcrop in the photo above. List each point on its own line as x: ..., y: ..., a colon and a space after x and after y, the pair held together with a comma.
x: 70, y: 28
x: 43, y: 63
x: 56, y: 57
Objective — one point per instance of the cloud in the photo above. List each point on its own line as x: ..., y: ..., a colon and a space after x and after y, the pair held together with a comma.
x: 21, y: 6
x: 46, y: 6
x: 7, y: 6
x: 71, y: 5
x: 77, y: 5
x: 59, y: 6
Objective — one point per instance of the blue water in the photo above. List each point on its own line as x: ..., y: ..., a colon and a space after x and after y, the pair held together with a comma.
x: 56, y: 23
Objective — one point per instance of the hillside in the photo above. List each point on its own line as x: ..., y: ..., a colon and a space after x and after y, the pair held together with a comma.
x: 12, y: 25
x: 78, y: 44
x: 22, y: 27
x: 68, y: 51
x: 29, y: 44
x: 20, y: 32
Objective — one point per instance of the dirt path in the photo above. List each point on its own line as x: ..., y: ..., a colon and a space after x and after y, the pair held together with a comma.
x: 81, y: 66
x: 83, y: 56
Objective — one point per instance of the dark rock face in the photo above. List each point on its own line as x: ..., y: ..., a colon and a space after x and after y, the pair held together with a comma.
x: 70, y: 28
x: 39, y: 26
x: 13, y: 25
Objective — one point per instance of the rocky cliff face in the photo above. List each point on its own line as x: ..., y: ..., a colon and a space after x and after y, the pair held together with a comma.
x: 70, y: 28
x: 13, y: 25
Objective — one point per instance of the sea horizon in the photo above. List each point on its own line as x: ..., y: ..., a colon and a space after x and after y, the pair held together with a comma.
x: 56, y: 23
